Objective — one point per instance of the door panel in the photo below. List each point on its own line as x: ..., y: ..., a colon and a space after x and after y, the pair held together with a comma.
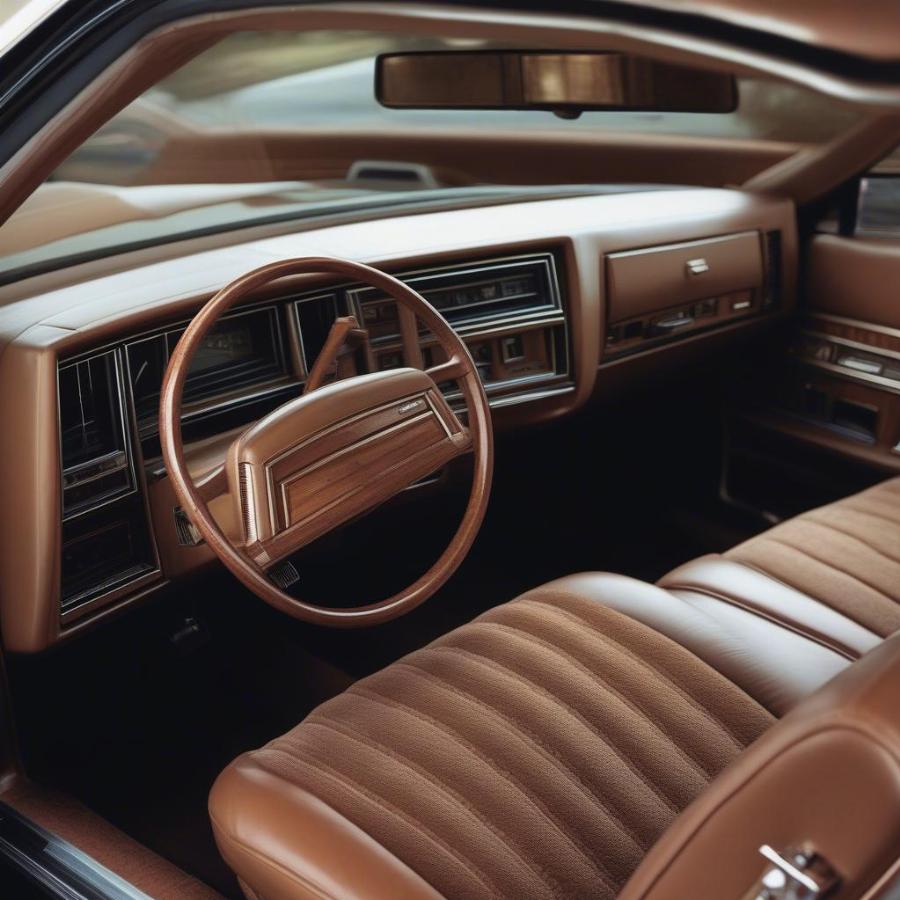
x: 829, y: 392
x: 857, y: 278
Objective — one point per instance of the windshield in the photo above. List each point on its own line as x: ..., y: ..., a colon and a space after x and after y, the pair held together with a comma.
x: 224, y: 143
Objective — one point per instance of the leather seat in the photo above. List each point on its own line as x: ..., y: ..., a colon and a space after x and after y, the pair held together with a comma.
x: 545, y: 748
x: 832, y: 574
x: 541, y: 749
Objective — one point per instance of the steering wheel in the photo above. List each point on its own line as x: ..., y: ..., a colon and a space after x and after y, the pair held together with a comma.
x: 333, y: 453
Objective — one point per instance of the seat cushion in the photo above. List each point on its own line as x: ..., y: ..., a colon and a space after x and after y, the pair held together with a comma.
x: 718, y: 583
x: 845, y: 555
x: 539, y: 751
x: 831, y: 575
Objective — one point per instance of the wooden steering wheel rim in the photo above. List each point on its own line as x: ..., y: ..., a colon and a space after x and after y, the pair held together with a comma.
x: 460, y: 368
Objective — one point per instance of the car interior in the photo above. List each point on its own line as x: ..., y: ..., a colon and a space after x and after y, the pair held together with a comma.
x: 451, y: 451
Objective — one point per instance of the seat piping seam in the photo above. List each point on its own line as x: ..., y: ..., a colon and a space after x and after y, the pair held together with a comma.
x: 796, y: 587
x: 774, y: 618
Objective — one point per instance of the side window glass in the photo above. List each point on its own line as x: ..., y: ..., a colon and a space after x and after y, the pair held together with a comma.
x: 878, y: 208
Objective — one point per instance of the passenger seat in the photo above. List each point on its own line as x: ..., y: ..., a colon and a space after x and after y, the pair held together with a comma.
x: 831, y: 575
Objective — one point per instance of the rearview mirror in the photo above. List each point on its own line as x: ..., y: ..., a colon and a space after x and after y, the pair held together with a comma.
x: 567, y: 83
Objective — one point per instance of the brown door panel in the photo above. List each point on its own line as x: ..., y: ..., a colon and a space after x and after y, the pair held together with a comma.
x: 832, y: 391
x: 855, y: 278
x: 457, y: 157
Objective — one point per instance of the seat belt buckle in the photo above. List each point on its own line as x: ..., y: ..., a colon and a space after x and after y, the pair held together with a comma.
x: 798, y: 873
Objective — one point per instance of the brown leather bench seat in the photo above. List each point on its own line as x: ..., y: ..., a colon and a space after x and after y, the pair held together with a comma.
x: 601, y: 737
x: 831, y: 575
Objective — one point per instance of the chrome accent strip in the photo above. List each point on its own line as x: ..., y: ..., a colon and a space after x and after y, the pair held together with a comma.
x: 547, y: 315
x: 530, y: 396
x: 59, y: 866
x: 83, y: 603
x: 491, y: 388
x: 468, y: 325
x: 126, y: 437
x: 888, y: 384
x: 104, y: 588
x: 188, y: 415
x: 854, y: 345
x: 854, y: 323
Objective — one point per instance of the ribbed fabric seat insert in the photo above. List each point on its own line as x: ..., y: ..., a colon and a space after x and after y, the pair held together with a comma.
x: 538, y: 752
x: 846, y: 555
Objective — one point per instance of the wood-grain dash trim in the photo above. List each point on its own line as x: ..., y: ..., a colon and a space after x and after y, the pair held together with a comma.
x: 384, y: 434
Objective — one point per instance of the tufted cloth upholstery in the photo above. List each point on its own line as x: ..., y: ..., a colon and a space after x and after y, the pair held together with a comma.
x: 845, y: 555
x: 539, y: 751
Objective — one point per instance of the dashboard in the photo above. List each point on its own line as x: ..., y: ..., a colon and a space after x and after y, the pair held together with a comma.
x: 554, y: 299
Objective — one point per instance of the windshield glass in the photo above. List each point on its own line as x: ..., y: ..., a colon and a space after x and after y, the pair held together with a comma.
x: 223, y: 143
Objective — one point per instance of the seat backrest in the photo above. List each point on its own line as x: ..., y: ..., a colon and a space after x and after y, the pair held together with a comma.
x: 826, y: 776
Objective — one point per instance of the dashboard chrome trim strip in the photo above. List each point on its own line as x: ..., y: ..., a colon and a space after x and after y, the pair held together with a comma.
x: 126, y: 436
x: 885, y: 384
x: 469, y: 325
x: 275, y: 310
x: 855, y: 345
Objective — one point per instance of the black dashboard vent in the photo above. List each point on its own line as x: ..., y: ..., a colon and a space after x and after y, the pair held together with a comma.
x: 774, y: 267
x: 93, y: 437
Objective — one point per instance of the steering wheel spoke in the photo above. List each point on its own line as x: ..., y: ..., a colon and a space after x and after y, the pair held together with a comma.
x: 212, y: 484
x: 344, y: 331
x: 454, y: 369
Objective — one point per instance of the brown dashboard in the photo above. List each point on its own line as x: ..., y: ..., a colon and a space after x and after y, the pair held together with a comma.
x: 548, y: 296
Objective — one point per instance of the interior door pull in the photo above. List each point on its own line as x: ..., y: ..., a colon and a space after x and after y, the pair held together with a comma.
x: 870, y: 367
x: 671, y: 322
